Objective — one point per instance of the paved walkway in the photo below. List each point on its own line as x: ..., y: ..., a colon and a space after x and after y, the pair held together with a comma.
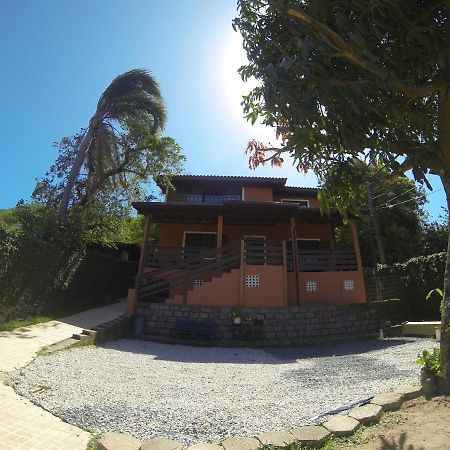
x: 24, y: 425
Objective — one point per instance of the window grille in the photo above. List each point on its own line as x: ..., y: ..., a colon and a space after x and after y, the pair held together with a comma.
x: 252, y: 281
x: 311, y: 286
x: 349, y: 285
x: 198, y: 283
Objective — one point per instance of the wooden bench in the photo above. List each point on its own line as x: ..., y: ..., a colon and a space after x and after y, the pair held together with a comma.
x: 201, y: 329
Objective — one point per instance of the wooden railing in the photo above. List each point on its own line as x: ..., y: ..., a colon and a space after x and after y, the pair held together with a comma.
x: 202, y: 198
x: 322, y: 260
x: 177, y: 268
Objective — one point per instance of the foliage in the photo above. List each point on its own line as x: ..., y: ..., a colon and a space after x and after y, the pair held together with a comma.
x: 434, y: 236
x: 440, y: 294
x: 351, y: 82
x: 129, y: 116
x: 417, y: 277
x: 72, y: 278
x: 430, y: 362
x: 11, y: 324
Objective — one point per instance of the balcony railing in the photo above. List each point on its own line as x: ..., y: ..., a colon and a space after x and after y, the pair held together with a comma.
x: 202, y: 198
x: 260, y: 253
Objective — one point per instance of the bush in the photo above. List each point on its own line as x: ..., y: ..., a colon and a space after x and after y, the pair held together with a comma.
x: 36, y: 276
x: 418, y: 276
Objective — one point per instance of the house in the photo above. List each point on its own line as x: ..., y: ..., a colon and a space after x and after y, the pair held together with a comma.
x: 235, y: 241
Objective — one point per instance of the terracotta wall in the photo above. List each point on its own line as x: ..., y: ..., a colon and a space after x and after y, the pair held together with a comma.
x: 330, y: 288
x: 171, y: 234
x: 258, y: 194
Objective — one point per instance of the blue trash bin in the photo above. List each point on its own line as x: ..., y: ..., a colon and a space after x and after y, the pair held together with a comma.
x: 137, y: 326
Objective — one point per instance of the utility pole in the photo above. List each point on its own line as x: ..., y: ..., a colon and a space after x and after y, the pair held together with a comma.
x: 373, y: 220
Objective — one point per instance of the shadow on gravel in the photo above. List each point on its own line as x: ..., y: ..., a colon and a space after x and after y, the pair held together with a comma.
x: 244, y: 355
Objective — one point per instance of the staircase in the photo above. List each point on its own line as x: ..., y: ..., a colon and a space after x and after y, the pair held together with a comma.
x: 158, y: 285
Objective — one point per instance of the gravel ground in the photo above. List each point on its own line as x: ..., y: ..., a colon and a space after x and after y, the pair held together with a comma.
x: 208, y: 393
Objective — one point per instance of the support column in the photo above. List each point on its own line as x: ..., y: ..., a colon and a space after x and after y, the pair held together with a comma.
x: 285, y: 291
x: 133, y: 294
x: 148, y: 220
x: 293, y: 224
x: 355, y: 240
x: 242, y: 274
x: 219, y: 231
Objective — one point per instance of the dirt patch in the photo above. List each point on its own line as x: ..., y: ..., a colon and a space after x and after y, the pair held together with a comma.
x: 420, y: 425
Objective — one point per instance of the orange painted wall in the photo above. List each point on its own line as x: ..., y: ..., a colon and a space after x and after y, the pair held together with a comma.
x: 221, y: 291
x: 258, y: 194
x: 224, y: 291
x: 171, y: 234
x: 330, y: 288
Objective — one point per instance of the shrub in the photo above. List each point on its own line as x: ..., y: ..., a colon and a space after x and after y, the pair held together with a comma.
x: 418, y: 276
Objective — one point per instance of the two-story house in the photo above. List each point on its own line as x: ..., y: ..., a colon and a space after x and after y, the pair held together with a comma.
x: 245, y: 241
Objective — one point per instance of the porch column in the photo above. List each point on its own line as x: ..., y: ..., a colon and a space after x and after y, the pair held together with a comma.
x: 219, y: 230
x: 355, y: 240
x: 148, y: 220
x: 293, y: 224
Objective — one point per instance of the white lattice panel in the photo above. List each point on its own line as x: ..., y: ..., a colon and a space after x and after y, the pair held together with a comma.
x: 349, y: 285
x: 198, y: 283
x: 311, y: 286
x: 252, y: 281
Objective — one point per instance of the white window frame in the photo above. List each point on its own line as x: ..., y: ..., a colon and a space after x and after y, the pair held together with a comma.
x: 295, y: 200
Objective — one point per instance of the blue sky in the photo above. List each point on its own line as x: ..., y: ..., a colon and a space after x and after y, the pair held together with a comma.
x: 57, y: 56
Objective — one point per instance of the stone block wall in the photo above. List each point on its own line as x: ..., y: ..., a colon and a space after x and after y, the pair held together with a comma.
x: 274, y: 326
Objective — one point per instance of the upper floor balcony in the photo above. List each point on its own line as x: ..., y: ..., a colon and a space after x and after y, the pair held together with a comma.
x: 214, y: 198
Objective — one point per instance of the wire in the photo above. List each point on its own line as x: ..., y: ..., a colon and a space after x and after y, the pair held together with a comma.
x: 406, y: 201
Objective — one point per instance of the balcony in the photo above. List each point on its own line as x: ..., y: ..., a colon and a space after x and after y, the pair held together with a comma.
x: 201, y: 198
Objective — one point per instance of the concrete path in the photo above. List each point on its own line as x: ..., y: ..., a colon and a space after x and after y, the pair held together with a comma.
x: 24, y: 425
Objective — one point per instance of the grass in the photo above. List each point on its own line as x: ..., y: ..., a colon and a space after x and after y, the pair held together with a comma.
x: 11, y: 324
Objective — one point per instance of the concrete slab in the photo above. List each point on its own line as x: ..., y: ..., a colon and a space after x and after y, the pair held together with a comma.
x: 118, y: 441
x: 161, y: 444
x: 410, y: 392
x: 390, y: 401
x: 419, y: 328
x: 277, y: 438
x: 205, y: 446
x: 341, y: 425
x: 366, y: 414
x: 311, y: 436
x: 240, y: 443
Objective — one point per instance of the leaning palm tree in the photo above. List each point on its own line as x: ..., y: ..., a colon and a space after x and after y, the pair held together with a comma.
x: 131, y: 98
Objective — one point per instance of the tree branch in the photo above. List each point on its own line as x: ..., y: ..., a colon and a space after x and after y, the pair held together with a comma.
x: 346, y: 50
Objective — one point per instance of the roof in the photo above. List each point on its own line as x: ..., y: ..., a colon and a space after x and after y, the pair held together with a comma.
x: 234, y: 212
x: 192, y: 180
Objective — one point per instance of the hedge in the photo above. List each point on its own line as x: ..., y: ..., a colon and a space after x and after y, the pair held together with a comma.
x: 417, y: 277
x: 36, y: 276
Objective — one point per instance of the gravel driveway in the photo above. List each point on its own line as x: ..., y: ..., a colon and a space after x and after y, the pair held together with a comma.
x: 208, y: 393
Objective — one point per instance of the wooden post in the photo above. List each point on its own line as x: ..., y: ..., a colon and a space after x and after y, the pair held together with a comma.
x: 242, y: 274
x: 148, y: 220
x: 354, y: 233
x: 219, y: 230
x: 293, y: 224
x: 285, y: 293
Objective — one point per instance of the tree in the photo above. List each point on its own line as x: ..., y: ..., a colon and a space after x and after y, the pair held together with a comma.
x: 352, y: 81
x: 132, y: 100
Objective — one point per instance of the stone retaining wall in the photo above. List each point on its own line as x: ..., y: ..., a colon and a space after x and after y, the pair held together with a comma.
x: 275, y: 326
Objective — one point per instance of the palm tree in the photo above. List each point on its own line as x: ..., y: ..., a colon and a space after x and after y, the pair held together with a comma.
x: 131, y: 98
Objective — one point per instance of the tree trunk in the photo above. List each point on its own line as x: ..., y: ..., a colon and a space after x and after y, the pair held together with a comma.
x: 74, y: 172
x: 445, y: 317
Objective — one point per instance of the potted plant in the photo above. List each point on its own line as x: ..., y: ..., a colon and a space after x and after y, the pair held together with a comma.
x: 237, y: 318
x: 430, y: 371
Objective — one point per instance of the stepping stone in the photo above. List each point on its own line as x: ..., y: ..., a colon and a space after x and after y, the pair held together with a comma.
x: 118, y: 441
x: 205, y: 446
x: 311, y: 436
x: 240, y: 443
x: 277, y: 438
x: 366, y: 414
x: 341, y: 425
x: 391, y: 401
x: 161, y: 444
x: 410, y: 392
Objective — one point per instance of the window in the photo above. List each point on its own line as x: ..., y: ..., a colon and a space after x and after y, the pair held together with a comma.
x: 308, y: 244
x: 252, y: 281
x: 200, y: 239
x: 299, y: 201
x: 349, y: 285
x: 311, y: 286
